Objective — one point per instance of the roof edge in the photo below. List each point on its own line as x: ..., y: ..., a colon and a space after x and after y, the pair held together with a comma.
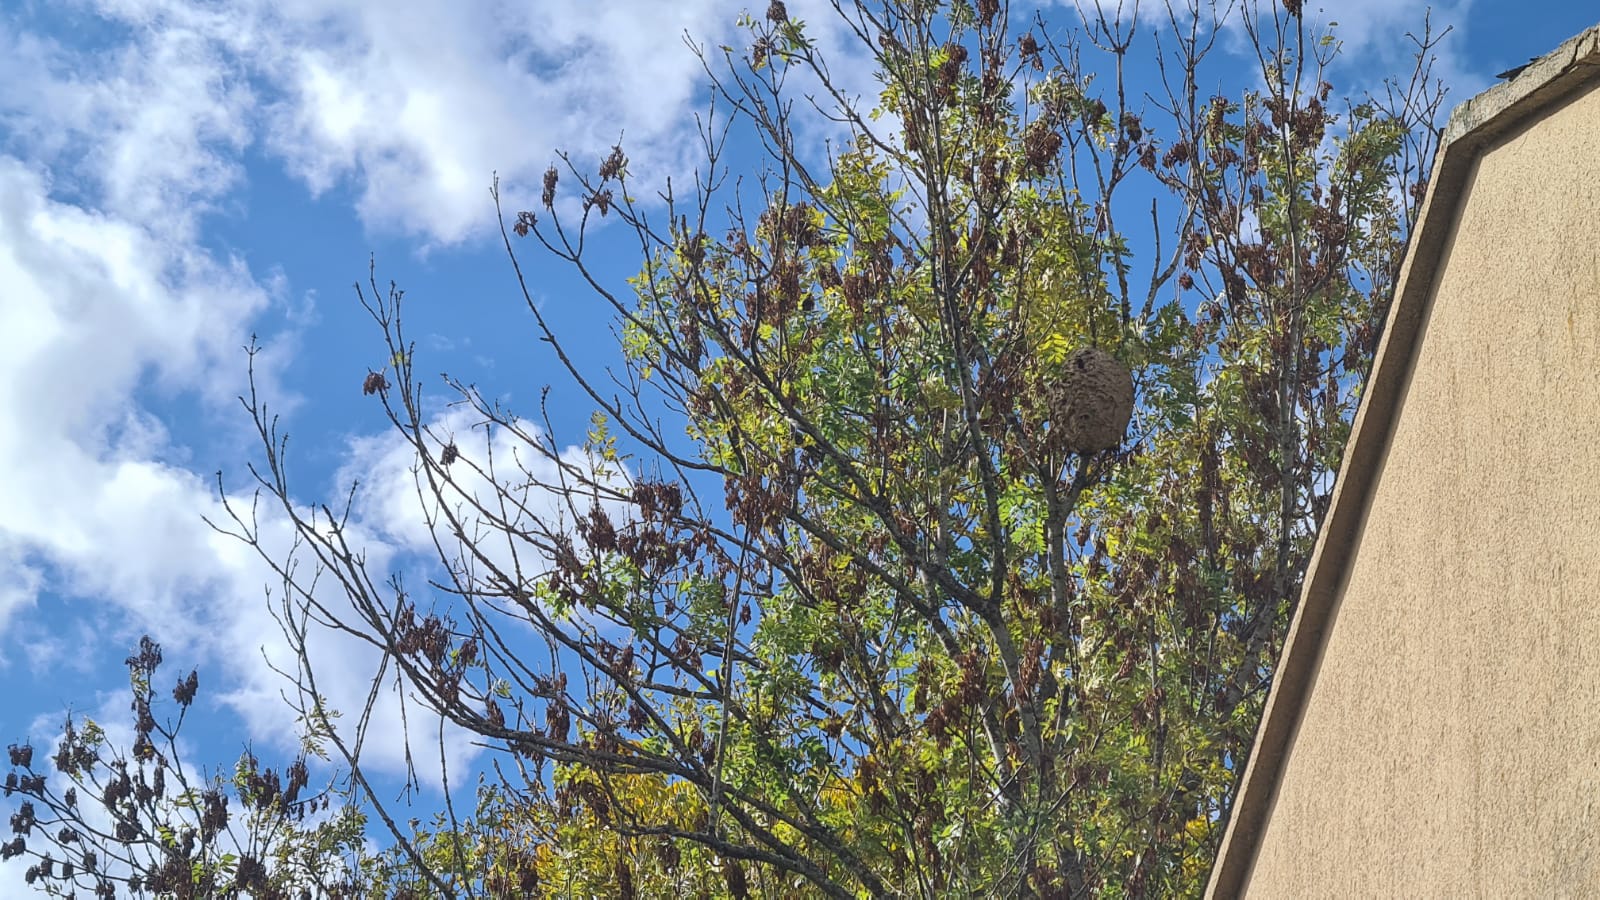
x: 1473, y: 124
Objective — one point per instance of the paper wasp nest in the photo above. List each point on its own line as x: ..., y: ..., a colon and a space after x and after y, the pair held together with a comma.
x: 1093, y: 403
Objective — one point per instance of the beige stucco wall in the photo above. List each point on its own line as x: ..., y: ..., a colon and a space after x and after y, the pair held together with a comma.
x: 1449, y: 745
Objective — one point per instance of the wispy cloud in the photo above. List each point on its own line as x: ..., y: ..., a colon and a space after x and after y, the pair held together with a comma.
x: 94, y: 307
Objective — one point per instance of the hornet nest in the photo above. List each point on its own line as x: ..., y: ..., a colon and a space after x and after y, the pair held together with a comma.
x: 1092, y: 403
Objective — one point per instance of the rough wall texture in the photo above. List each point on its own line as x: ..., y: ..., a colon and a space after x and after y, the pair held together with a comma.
x: 1449, y: 745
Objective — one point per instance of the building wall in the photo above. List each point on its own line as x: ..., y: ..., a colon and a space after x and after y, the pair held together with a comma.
x: 1450, y: 742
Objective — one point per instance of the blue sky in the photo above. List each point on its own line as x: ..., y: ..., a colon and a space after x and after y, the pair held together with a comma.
x: 176, y: 176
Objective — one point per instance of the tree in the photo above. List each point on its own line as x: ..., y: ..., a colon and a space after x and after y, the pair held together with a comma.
x: 880, y: 621
x: 136, y: 820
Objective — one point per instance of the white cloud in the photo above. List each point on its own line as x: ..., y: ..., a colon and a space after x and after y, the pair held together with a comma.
x: 413, y: 104
x: 420, y: 102
x: 152, y: 128
x: 21, y: 586
x: 535, y: 486
x: 1375, y: 38
x: 124, y: 151
x: 1374, y: 34
x: 250, y: 642
x: 417, y: 103
x: 95, y: 302
x: 96, y: 309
